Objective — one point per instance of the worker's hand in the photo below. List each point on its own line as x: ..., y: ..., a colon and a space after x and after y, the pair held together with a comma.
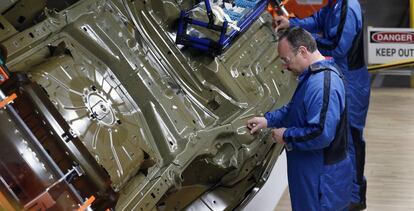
x: 277, y: 135
x: 281, y: 22
x: 256, y: 123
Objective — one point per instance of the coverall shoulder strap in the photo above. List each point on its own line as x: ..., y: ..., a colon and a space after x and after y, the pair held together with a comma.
x: 319, y: 67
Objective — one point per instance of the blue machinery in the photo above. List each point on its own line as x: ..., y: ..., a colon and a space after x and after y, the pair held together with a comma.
x: 215, y: 47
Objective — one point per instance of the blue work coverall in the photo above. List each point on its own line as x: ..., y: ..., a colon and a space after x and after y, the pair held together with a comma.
x: 319, y: 169
x: 338, y: 30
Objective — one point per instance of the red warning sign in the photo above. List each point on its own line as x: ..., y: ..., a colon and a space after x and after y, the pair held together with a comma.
x: 392, y: 37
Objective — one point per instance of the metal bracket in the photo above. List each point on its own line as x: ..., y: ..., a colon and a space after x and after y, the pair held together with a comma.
x: 69, y: 135
x: 76, y: 171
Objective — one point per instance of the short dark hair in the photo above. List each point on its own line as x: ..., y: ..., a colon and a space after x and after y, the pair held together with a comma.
x: 297, y: 36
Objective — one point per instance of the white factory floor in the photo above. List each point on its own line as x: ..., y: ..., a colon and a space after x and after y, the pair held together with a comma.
x: 389, y: 165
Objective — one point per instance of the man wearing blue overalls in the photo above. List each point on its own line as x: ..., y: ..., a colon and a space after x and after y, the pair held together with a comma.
x: 313, y: 127
x: 338, y: 30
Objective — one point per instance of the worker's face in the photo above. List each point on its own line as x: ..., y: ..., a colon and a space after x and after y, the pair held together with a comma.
x: 292, y: 61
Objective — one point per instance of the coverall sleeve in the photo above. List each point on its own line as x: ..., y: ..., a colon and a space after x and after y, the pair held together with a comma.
x: 322, y: 106
x: 336, y: 43
x: 275, y: 118
x: 312, y: 24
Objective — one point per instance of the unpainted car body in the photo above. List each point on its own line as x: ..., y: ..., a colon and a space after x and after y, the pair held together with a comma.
x: 108, y: 105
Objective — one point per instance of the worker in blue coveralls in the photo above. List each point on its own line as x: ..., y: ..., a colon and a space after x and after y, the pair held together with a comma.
x: 312, y: 126
x: 338, y: 30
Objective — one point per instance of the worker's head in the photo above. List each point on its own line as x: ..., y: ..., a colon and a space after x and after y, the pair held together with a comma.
x: 295, y: 49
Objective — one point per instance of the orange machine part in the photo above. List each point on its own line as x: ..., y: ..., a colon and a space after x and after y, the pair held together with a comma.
x: 5, y: 204
x: 4, y: 75
x: 301, y: 9
x: 7, y: 100
x: 87, y: 203
x: 271, y: 10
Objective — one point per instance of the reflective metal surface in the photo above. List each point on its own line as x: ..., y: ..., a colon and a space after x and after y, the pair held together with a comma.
x: 152, y: 125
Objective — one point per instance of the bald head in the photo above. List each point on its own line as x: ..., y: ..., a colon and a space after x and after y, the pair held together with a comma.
x: 297, y: 37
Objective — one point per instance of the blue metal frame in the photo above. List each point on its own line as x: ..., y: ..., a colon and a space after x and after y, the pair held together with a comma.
x: 209, y: 45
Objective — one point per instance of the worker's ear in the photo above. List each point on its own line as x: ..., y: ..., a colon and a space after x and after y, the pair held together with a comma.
x: 302, y: 50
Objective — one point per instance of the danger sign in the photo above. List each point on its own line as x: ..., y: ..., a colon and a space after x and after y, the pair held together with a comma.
x: 392, y: 37
x: 390, y: 44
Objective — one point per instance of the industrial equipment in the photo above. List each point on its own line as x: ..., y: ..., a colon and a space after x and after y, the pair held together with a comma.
x: 101, y: 109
